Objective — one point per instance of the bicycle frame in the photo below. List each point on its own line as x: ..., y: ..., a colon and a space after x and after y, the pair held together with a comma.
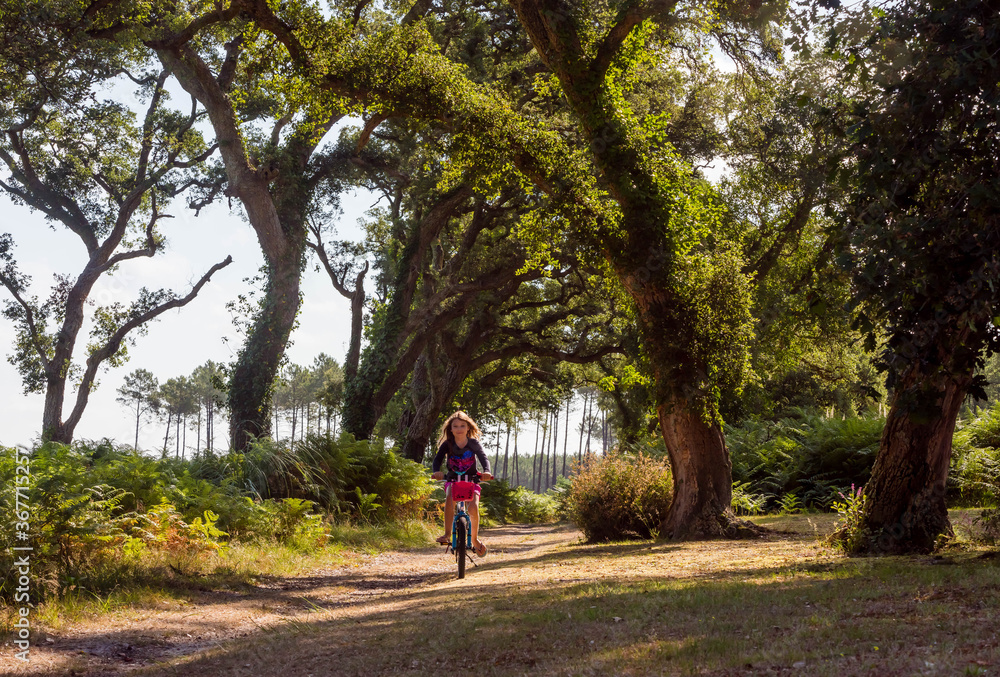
x: 463, y: 520
x: 461, y: 514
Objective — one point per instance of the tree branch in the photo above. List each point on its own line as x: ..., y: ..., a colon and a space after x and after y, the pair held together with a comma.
x: 50, y: 202
x: 29, y: 320
x: 631, y: 14
x: 113, y: 344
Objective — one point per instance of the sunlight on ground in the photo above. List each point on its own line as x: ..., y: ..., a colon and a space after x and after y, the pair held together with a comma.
x: 554, y: 605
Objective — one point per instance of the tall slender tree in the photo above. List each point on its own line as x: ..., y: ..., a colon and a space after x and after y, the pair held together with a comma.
x: 138, y: 392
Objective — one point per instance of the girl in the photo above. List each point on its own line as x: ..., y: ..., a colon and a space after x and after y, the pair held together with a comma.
x: 459, y: 443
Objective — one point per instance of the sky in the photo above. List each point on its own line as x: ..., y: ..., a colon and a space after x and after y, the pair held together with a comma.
x: 180, y: 339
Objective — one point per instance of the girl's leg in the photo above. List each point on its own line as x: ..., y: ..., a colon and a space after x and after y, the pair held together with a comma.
x: 474, y: 518
x: 449, y: 516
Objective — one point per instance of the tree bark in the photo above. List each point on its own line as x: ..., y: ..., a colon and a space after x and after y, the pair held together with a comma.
x: 905, y: 509
x: 702, y: 472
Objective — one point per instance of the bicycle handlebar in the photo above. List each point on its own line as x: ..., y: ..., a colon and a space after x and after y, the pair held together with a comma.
x: 452, y: 476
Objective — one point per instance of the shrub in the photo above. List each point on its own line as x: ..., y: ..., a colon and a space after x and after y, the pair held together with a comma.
x: 343, y: 475
x: 99, y: 511
x: 810, y: 458
x: 532, y: 508
x: 496, y: 502
x: 850, y: 534
x: 77, y: 528
x: 974, y: 476
x: 746, y: 503
x: 620, y: 496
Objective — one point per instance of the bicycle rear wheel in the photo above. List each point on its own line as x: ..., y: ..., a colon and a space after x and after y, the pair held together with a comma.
x: 460, y: 546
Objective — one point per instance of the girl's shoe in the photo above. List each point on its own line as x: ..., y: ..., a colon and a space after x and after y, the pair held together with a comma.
x: 481, y: 549
x: 444, y: 540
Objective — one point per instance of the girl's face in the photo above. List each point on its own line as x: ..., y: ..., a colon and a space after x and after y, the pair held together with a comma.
x: 459, y: 428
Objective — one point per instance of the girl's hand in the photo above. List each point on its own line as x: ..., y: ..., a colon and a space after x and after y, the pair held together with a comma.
x: 437, y: 476
x: 487, y: 476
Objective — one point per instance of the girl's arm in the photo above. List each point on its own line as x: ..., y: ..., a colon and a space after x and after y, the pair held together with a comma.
x: 439, y: 458
x: 477, y: 449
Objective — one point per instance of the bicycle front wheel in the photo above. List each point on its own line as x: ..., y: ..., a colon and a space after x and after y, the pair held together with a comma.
x: 460, y: 546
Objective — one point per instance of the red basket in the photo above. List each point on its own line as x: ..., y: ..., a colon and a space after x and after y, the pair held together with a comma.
x: 463, y: 491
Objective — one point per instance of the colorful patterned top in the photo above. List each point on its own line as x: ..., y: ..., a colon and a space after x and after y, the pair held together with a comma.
x: 461, y: 460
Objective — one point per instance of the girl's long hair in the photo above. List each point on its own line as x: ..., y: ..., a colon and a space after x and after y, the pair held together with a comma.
x: 446, y: 434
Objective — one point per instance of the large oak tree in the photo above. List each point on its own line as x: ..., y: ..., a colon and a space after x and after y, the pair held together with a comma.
x: 922, y: 238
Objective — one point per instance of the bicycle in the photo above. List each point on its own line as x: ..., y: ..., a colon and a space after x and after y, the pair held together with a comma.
x: 461, y: 524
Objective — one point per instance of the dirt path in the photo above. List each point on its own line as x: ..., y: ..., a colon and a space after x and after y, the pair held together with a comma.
x: 544, y: 603
x: 127, y: 641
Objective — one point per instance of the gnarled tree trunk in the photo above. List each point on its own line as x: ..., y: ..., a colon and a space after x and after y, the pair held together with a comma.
x: 905, y: 509
x: 702, y: 473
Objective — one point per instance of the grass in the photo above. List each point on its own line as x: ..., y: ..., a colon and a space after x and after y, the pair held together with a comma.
x: 723, y: 608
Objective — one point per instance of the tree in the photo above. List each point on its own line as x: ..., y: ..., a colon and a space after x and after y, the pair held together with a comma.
x: 690, y: 295
x: 922, y: 239
x: 179, y: 400
x: 139, y: 393
x: 299, y: 386
x: 689, y: 292
x: 93, y: 167
x: 275, y: 177
x: 328, y: 377
x: 209, y: 385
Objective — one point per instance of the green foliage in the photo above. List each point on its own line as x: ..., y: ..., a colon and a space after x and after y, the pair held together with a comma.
x: 974, y: 476
x: 504, y: 504
x: 97, y: 509
x: 76, y: 526
x: 746, y: 503
x: 921, y: 229
x: 336, y: 470
x: 811, y: 458
x: 789, y: 504
x: 620, y: 496
x: 850, y: 534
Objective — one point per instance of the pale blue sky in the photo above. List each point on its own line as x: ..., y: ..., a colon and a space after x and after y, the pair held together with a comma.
x: 181, y: 339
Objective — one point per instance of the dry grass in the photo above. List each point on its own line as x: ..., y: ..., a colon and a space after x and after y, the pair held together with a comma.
x: 544, y: 603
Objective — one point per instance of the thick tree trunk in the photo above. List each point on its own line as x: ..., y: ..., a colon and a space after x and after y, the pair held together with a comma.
x: 702, y: 476
x: 905, y: 508
x: 252, y: 382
